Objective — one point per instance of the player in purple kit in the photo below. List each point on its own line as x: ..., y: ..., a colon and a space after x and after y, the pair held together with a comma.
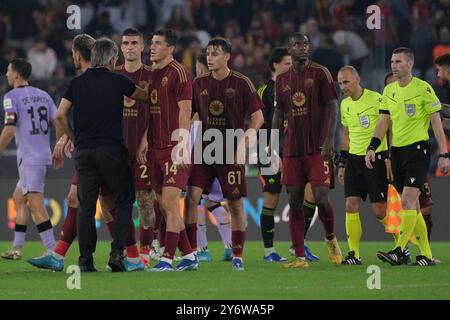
x: 28, y: 113
x: 306, y: 93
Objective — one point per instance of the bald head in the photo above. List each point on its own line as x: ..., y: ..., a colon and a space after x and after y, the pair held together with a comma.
x: 349, y: 81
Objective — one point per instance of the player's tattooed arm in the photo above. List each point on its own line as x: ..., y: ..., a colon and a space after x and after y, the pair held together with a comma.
x: 62, y: 118
x: 328, y: 145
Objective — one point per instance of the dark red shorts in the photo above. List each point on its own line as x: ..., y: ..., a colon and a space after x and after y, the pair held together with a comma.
x: 231, y: 178
x: 425, y: 198
x: 104, y: 189
x: 312, y: 168
x: 163, y: 173
x: 141, y: 174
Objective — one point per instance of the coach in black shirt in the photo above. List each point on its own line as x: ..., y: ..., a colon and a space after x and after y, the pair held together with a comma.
x: 97, y: 99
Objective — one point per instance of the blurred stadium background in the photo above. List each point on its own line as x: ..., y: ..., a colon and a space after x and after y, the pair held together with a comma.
x: 36, y: 30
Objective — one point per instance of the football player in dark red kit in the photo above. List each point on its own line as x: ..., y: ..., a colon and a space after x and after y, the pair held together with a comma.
x: 306, y: 93
x: 135, y: 121
x: 170, y: 93
x: 222, y: 98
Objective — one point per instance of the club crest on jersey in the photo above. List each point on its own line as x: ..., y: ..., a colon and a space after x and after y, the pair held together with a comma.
x: 410, y: 109
x: 216, y: 108
x: 298, y: 99
x: 230, y: 92
x: 128, y: 102
x: 364, y: 121
x: 164, y: 81
x: 309, y: 82
x: 154, y: 96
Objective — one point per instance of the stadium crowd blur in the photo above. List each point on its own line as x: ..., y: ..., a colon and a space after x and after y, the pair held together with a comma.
x: 36, y: 29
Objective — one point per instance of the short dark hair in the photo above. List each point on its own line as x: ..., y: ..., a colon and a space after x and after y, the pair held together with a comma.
x: 220, y: 42
x: 296, y: 35
x: 443, y: 60
x: 387, y: 76
x: 276, y: 56
x: 169, y: 35
x: 201, y: 57
x: 83, y: 44
x: 22, y: 67
x: 132, y: 32
x: 407, y: 51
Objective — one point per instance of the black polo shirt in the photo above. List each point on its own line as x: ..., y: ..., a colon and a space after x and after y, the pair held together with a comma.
x: 97, y: 99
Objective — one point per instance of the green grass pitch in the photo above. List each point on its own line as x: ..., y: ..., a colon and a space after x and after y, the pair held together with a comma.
x: 216, y: 280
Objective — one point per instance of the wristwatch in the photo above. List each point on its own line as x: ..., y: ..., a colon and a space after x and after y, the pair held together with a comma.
x: 443, y: 155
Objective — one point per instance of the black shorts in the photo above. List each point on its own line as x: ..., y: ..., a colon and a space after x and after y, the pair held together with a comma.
x: 270, y: 183
x: 410, y: 165
x: 360, y: 180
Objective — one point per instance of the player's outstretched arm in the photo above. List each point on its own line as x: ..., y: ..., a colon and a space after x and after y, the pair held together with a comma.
x: 328, y: 146
x: 62, y: 118
x: 443, y: 161
x: 8, y: 133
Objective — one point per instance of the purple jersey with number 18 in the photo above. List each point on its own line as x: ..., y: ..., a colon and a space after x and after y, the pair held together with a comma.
x: 30, y: 109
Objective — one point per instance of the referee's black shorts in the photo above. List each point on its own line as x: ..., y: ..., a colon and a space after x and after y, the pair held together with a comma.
x: 410, y: 165
x: 360, y: 181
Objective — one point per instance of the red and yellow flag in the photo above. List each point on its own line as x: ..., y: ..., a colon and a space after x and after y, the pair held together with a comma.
x: 394, y: 210
x: 394, y: 213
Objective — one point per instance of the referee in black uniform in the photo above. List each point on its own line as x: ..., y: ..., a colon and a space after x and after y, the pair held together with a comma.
x: 97, y: 100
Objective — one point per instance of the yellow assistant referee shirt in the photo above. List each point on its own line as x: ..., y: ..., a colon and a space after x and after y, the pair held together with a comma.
x: 410, y: 108
x: 361, y: 118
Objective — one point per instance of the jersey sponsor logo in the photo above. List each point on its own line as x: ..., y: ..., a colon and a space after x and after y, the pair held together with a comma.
x: 230, y: 92
x: 298, y: 99
x: 7, y: 103
x: 204, y: 92
x: 309, y: 83
x: 216, y: 108
x: 154, y: 96
x: 128, y: 102
x: 412, y: 180
x: 286, y: 88
x: 364, y: 121
x: 164, y: 81
x: 410, y: 109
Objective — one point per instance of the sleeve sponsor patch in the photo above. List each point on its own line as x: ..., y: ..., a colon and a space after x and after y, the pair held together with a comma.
x: 10, y: 118
x: 7, y: 103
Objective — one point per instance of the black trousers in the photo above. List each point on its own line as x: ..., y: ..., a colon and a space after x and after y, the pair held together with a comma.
x: 108, y: 164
